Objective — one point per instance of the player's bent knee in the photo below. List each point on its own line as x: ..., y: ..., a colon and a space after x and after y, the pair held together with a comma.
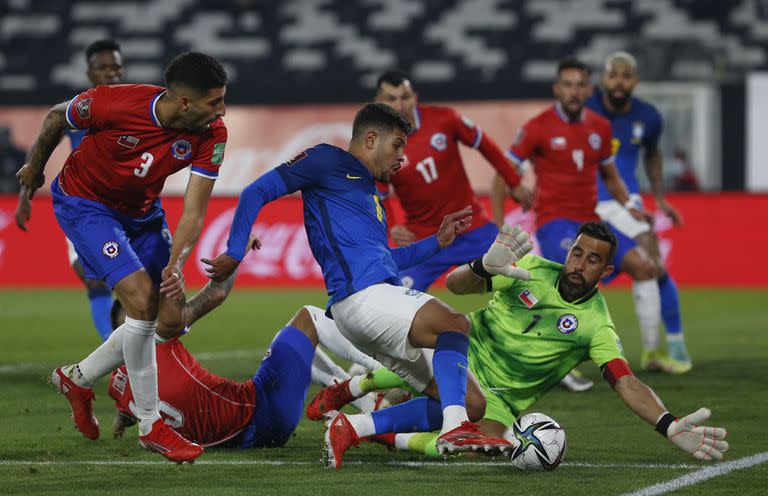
x: 460, y: 323
x: 138, y: 296
x: 304, y: 322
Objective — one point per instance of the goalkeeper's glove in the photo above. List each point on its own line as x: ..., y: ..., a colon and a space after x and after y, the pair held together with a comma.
x: 704, y: 443
x: 511, y: 245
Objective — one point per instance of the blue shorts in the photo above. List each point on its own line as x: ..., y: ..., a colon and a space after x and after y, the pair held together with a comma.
x: 464, y: 249
x: 281, y: 384
x: 556, y: 237
x: 109, y: 244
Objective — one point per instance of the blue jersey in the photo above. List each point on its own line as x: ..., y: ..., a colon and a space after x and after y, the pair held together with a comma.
x: 345, y: 220
x: 76, y: 136
x: 640, y: 128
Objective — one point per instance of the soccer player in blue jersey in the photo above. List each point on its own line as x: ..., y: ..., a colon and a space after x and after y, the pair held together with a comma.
x: 347, y: 231
x: 105, y: 66
x: 637, y: 126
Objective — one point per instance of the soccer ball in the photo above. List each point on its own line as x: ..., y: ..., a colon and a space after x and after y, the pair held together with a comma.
x: 540, y: 442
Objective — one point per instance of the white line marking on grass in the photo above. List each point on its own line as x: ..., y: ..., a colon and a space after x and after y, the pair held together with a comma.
x: 699, y: 476
x: 16, y: 367
x: 500, y: 463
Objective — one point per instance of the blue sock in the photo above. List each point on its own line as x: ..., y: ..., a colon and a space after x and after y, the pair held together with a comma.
x: 670, y: 304
x: 450, y: 365
x: 421, y: 414
x: 101, y: 304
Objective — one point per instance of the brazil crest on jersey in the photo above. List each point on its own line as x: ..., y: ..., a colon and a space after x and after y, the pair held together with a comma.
x: 639, y: 129
x: 528, y: 337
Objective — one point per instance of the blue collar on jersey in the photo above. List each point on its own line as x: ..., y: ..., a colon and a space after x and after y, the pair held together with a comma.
x: 561, y: 114
x: 153, y: 109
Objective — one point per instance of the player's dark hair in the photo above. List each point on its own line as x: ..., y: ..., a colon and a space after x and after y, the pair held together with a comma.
x: 195, y: 70
x: 378, y: 115
x: 100, y: 46
x: 572, y: 63
x: 601, y: 231
x: 395, y: 78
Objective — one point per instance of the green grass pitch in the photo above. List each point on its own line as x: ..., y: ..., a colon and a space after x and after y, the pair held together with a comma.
x: 610, y: 450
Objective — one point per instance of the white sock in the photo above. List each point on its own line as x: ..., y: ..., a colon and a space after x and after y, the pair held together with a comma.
x: 325, y: 371
x: 648, y: 309
x: 331, y: 338
x: 102, y: 360
x: 366, y: 403
x: 453, y: 416
x: 676, y: 338
x: 401, y: 440
x: 363, y: 424
x: 354, y: 386
x: 139, y: 353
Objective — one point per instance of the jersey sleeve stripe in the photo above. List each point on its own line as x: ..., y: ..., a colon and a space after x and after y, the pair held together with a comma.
x: 69, y: 109
x: 514, y: 157
x: 205, y: 173
x: 478, y: 138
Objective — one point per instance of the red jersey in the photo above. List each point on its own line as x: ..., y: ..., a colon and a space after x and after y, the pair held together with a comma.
x: 126, y: 156
x: 200, y: 405
x: 432, y: 182
x: 566, y: 156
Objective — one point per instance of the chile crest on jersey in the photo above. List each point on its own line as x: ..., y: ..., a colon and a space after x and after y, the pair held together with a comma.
x: 181, y: 149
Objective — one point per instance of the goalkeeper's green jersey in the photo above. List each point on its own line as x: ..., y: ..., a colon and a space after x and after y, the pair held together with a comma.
x: 528, y: 337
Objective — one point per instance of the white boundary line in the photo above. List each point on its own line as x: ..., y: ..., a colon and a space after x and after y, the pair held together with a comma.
x: 702, y: 475
x: 651, y: 466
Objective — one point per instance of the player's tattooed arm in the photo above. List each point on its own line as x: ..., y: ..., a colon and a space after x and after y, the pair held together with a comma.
x: 211, y: 296
x: 55, y: 123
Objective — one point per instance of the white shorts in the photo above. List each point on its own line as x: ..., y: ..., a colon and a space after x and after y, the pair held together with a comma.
x: 619, y: 217
x: 377, y: 321
x: 71, y: 253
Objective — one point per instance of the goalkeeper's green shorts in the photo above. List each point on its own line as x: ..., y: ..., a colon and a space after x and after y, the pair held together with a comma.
x: 496, y: 409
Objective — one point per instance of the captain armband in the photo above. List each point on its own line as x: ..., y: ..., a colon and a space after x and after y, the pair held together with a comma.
x: 615, y: 370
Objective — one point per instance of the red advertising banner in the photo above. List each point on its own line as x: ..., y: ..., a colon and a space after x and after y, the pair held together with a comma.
x: 721, y: 244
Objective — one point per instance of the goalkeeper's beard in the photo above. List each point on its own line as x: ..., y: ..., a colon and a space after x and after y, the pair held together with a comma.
x: 573, y: 291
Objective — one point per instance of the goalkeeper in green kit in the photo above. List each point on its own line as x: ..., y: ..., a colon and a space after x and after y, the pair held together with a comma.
x: 543, y: 320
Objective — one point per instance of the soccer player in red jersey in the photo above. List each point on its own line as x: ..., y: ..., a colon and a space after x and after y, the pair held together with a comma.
x: 105, y: 66
x: 569, y: 145
x: 106, y: 201
x: 433, y: 183
x: 211, y: 410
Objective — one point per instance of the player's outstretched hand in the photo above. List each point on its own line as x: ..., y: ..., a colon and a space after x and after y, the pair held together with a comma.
x: 670, y: 212
x: 221, y: 267
x: 453, y: 225
x: 511, y: 245
x: 641, y: 214
x: 31, y: 179
x: 23, y: 210
x: 704, y: 443
x: 172, y: 285
x: 522, y: 195
x: 401, y: 235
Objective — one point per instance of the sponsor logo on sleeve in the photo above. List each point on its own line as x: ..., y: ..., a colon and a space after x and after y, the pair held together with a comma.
x: 439, y: 141
x: 528, y: 298
x: 181, y: 149
x: 567, y: 323
x: 218, y: 153
x: 83, y: 108
x: 467, y: 122
x: 128, y: 141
